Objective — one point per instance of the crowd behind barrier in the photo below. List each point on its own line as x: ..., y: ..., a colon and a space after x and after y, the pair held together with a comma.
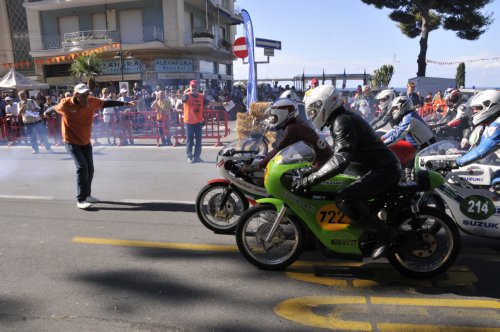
x: 126, y: 128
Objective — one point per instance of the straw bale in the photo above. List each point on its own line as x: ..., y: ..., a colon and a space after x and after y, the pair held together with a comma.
x: 251, y: 122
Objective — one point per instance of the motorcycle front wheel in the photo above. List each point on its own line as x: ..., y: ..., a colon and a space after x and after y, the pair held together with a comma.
x: 285, y: 245
x: 219, y: 218
x: 427, y: 244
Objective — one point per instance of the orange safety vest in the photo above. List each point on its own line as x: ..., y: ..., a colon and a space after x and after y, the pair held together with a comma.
x: 193, y: 109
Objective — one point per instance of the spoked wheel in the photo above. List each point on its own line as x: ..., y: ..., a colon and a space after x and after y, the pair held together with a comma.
x: 421, y: 251
x: 284, y: 247
x: 260, y: 144
x: 216, y: 217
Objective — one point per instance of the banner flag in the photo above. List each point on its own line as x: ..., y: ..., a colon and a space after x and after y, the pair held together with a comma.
x: 252, y: 75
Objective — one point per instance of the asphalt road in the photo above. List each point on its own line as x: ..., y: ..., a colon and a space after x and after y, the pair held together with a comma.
x: 141, y: 261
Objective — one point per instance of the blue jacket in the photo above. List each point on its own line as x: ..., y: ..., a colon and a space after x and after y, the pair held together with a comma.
x: 490, y: 142
x: 415, y: 130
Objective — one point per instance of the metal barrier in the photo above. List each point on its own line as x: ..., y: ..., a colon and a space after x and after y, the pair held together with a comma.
x: 216, y: 126
x: 127, y: 127
x: 15, y: 130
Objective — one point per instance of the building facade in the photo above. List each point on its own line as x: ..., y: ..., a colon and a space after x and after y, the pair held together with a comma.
x: 153, y: 42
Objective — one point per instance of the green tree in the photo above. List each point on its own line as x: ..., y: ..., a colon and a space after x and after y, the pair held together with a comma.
x: 87, y: 68
x: 460, y: 75
x: 419, y: 17
x: 382, y: 76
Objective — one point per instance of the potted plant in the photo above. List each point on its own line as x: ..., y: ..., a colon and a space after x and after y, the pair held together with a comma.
x: 202, y: 37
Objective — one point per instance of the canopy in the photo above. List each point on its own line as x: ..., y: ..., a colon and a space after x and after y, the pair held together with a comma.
x: 14, y: 80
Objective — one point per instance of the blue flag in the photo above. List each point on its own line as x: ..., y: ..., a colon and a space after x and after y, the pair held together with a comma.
x: 252, y: 77
x: 344, y: 80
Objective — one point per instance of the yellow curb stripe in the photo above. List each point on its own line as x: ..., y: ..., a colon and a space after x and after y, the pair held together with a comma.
x: 432, y: 302
x: 151, y: 244
x: 391, y: 327
x: 309, y: 277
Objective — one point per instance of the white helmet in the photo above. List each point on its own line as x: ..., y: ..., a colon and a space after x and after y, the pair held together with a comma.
x: 488, y: 101
x: 401, y: 106
x: 385, y: 98
x: 321, y: 103
x: 290, y: 94
x: 282, y: 111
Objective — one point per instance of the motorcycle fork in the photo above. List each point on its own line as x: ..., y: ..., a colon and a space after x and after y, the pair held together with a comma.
x: 225, y: 196
x: 274, y: 227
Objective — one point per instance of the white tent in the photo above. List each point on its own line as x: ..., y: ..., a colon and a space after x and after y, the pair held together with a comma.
x: 14, y: 80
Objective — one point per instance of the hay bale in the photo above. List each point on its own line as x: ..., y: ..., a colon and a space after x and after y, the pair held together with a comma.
x: 251, y: 122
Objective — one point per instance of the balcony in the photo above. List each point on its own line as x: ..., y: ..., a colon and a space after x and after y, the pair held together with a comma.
x: 95, y: 38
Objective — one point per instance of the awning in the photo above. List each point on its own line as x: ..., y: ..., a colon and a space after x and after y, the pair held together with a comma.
x: 118, y: 78
x: 176, y: 76
x: 210, y: 76
x: 226, y: 77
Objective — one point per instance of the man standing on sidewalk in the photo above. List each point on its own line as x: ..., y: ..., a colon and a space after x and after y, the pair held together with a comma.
x: 77, y: 114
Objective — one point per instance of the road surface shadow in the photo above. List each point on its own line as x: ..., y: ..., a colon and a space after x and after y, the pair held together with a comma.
x: 147, y: 206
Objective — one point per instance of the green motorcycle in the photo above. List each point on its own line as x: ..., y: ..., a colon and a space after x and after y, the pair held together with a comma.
x: 271, y: 234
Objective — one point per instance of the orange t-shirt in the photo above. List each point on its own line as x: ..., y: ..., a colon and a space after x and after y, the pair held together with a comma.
x: 193, y: 108
x: 77, y: 119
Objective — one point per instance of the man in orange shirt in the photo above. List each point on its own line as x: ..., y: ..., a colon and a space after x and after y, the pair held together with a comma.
x: 77, y: 117
x: 194, y: 104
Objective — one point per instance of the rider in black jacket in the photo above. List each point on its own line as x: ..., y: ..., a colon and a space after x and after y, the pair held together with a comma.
x: 354, y: 142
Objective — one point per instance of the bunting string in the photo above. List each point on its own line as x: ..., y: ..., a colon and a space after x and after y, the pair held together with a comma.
x: 450, y: 63
x: 61, y: 58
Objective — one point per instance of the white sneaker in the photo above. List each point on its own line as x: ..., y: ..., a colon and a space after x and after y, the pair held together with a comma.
x: 83, y: 205
x: 92, y: 199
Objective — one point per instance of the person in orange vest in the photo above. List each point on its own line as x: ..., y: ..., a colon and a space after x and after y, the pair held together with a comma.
x: 194, y: 104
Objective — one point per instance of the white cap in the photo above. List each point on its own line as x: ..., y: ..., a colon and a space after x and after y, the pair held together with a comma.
x: 366, y: 88
x: 81, y: 88
x: 8, y: 98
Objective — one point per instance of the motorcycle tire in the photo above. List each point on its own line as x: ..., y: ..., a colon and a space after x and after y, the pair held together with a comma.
x: 261, y: 145
x: 420, y: 253
x: 224, y: 221
x: 438, y: 203
x: 287, y: 242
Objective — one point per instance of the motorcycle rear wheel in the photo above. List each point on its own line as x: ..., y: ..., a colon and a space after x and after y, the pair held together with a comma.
x: 286, y: 244
x: 222, y: 221
x: 423, y: 252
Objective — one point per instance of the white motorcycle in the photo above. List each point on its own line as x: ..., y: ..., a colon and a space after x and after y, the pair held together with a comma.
x: 472, y: 203
x: 222, y: 201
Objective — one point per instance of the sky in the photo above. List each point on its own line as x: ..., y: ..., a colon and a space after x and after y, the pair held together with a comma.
x: 337, y: 34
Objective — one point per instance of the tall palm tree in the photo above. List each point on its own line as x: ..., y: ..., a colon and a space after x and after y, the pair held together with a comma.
x: 87, y: 68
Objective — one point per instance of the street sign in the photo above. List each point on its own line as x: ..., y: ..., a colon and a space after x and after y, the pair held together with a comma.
x: 269, y: 51
x: 267, y: 43
x: 240, y: 48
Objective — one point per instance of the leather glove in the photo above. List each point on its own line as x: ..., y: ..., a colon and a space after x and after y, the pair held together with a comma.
x: 301, y: 185
x: 249, y: 168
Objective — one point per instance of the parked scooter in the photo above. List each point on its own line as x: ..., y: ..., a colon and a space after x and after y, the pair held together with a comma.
x: 473, y: 204
x: 222, y: 201
x: 271, y: 234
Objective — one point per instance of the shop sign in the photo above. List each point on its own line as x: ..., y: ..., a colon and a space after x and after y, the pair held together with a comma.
x: 130, y: 66
x: 174, y: 65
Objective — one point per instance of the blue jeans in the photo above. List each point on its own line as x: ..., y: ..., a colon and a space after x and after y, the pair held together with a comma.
x: 40, y: 129
x: 82, y: 155
x: 193, y: 132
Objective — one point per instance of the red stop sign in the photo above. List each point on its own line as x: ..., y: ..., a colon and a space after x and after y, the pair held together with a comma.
x: 240, y: 48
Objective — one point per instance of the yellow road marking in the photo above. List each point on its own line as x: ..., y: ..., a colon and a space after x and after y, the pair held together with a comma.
x: 151, y: 244
x: 304, y: 311
x: 432, y: 302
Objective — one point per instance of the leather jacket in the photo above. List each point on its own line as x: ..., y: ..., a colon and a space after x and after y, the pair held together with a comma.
x: 354, y: 141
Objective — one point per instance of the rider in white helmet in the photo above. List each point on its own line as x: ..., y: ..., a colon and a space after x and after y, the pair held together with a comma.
x: 384, y: 99
x: 486, y: 109
x: 354, y: 142
x: 409, y: 126
x: 283, y: 115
